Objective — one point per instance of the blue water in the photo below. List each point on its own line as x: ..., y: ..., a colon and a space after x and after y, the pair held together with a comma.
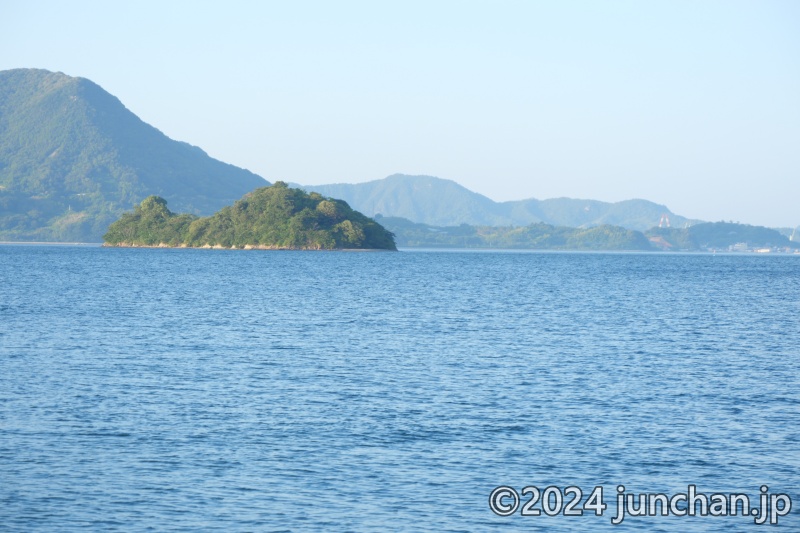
x: 323, y: 391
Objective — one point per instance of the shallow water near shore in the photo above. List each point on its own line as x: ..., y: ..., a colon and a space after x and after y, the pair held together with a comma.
x: 182, y: 389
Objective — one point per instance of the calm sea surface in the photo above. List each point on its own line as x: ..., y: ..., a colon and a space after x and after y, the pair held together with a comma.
x: 312, y: 391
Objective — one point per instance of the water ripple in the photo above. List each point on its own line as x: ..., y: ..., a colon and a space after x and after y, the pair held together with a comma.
x: 185, y: 389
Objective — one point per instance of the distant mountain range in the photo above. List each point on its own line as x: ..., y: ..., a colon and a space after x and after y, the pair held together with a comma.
x: 440, y: 202
x: 73, y: 159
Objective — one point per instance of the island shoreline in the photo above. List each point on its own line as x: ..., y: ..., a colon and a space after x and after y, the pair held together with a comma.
x: 245, y: 247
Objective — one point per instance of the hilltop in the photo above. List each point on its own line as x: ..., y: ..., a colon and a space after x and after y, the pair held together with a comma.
x: 73, y: 158
x: 276, y: 217
x: 439, y: 202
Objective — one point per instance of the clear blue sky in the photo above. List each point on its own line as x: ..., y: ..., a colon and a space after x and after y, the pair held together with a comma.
x: 694, y: 104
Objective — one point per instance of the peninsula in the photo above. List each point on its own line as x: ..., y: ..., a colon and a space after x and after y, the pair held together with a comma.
x: 271, y: 218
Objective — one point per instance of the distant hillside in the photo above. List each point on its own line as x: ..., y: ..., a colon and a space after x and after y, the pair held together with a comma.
x: 275, y: 217
x: 73, y: 158
x: 638, y: 215
x: 723, y: 236
x: 439, y: 202
x: 720, y: 236
x: 536, y: 236
x: 419, y: 198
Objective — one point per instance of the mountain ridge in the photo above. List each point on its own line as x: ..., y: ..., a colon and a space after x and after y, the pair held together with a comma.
x: 73, y: 158
x: 441, y: 202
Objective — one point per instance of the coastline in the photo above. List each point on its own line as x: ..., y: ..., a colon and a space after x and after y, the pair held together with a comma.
x: 53, y: 243
x: 245, y: 247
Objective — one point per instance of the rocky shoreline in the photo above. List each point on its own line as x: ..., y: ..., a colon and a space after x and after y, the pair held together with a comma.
x: 245, y: 247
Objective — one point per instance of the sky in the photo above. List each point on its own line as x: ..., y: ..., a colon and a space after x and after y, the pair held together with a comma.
x: 691, y: 104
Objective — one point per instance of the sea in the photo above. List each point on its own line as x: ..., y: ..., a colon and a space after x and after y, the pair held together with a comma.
x: 225, y: 390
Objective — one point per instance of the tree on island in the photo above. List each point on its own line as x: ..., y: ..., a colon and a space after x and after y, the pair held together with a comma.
x: 270, y: 217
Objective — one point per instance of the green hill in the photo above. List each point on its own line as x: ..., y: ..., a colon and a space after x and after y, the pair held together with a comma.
x: 723, y: 236
x: 73, y: 158
x: 719, y: 236
x: 424, y: 199
x: 634, y: 214
x: 537, y: 236
x: 275, y: 217
x: 439, y: 202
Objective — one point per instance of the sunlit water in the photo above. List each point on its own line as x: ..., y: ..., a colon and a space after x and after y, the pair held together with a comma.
x: 314, y: 391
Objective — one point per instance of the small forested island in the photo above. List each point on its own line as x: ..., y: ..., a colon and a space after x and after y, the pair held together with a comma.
x: 270, y: 218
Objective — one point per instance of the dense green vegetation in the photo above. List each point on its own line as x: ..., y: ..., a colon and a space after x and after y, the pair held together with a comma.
x: 537, y: 236
x: 440, y: 202
x: 269, y: 217
x: 73, y: 159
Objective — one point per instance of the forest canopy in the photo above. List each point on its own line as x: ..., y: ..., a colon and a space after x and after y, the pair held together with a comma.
x: 275, y: 217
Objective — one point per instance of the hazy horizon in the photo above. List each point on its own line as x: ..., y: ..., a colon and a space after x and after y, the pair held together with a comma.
x: 690, y: 105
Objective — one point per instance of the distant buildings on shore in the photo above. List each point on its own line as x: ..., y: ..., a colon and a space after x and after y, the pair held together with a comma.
x: 743, y: 247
